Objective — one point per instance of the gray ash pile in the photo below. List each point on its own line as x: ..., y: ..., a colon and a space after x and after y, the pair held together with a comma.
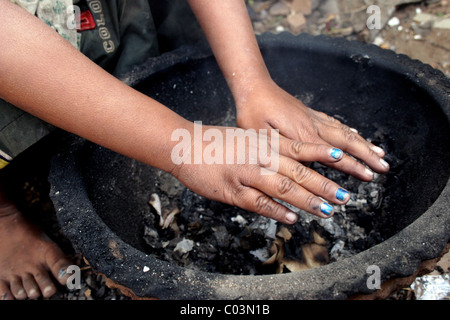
x: 200, y: 234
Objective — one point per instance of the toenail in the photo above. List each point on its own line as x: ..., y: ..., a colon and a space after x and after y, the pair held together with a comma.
x: 21, y: 292
x: 33, y: 292
x: 62, y: 273
x: 47, y: 290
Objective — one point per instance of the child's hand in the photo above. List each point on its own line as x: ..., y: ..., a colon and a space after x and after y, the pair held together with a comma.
x: 272, y: 107
x: 251, y: 184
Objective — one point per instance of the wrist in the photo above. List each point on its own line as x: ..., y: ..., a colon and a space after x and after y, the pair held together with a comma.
x: 244, y: 88
x: 244, y: 94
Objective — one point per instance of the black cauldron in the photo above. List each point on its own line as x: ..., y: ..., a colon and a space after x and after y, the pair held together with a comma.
x: 98, y: 194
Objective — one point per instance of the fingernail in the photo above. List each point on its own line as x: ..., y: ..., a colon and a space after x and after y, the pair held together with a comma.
x: 384, y: 163
x: 291, y: 217
x: 354, y: 130
x: 377, y: 150
x: 336, y: 153
x: 342, y: 194
x: 369, y: 172
x: 326, y: 208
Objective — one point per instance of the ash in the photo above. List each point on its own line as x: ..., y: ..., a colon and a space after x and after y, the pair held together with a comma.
x: 201, y: 234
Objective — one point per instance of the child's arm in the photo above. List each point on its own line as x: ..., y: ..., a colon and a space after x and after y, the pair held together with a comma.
x: 43, y: 74
x: 261, y: 103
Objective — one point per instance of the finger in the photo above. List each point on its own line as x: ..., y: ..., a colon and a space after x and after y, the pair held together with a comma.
x: 379, y: 151
x: 256, y: 201
x: 328, y: 120
x: 285, y: 189
x: 331, y: 121
x: 352, y: 143
x: 313, y: 181
x: 309, y: 152
x: 352, y: 167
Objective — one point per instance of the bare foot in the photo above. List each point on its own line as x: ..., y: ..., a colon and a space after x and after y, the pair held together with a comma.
x: 28, y: 258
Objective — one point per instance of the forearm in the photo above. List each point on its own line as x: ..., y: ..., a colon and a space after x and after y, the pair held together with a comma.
x: 229, y: 31
x: 44, y: 75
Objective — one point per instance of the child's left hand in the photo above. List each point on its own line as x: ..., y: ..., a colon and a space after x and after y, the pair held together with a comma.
x: 268, y: 106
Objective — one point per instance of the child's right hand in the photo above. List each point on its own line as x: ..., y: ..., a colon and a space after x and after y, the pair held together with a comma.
x: 253, y: 184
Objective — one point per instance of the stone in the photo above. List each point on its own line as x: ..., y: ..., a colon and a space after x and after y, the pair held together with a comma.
x: 393, y: 22
x: 260, y: 6
x: 302, y: 6
x: 296, y: 22
x: 423, y: 17
x: 279, y: 9
x: 442, y: 24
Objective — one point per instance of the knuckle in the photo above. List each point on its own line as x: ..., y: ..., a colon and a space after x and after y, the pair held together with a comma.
x: 349, y: 135
x: 309, y: 202
x: 285, y: 186
x: 325, y: 186
x: 263, y: 204
x: 301, y: 174
x: 295, y: 147
x: 277, y: 213
x: 332, y: 119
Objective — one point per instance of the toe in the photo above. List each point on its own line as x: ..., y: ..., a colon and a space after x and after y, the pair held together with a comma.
x: 48, y: 290
x: 31, y: 287
x: 5, y: 293
x: 58, y: 264
x: 17, y: 289
x: 45, y: 284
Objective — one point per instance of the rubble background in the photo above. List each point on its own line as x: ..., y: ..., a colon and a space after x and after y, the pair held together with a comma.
x: 419, y: 29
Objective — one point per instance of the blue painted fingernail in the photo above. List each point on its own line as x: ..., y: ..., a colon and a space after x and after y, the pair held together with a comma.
x: 341, y: 194
x: 336, y: 153
x: 326, y: 208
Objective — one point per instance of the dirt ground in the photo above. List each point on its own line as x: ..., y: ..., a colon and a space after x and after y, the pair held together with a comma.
x: 431, y: 46
x: 411, y: 29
